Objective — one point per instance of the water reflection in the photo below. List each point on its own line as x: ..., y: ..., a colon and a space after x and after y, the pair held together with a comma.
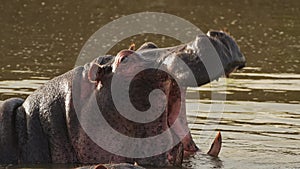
x: 203, y: 161
x: 266, y: 127
x: 261, y: 87
x: 21, y: 88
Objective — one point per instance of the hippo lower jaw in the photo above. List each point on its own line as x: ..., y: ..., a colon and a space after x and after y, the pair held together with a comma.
x: 183, y: 131
x: 189, y: 146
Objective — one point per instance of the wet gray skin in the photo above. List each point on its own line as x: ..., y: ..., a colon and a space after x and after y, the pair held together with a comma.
x: 46, y: 129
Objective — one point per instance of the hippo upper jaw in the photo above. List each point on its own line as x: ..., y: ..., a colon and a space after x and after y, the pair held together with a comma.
x: 199, y: 62
x: 208, y: 57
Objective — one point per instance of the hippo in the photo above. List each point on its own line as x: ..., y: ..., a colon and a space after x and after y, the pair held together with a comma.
x: 59, y: 122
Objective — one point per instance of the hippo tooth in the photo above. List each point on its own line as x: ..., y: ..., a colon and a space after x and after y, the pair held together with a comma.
x: 216, y: 146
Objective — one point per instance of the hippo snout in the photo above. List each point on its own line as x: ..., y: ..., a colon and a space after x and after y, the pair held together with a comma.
x: 228, y: 50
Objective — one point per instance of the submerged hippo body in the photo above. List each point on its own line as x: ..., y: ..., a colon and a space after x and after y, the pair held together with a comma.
x: 45, y: 128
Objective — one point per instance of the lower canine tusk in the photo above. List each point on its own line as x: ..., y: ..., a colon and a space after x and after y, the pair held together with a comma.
x: 216, y: 146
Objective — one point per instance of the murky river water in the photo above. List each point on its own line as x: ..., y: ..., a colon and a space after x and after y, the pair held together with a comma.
x: 260, y: 119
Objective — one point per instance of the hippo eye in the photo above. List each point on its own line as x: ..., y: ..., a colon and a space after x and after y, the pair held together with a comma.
x: 124, y: 59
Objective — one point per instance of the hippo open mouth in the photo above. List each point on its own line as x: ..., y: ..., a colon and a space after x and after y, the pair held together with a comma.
x: 140, y: 94
x: 168, y: 73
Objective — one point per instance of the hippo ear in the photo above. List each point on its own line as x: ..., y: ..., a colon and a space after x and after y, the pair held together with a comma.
x: 132, y: 46
x: 97, y: 72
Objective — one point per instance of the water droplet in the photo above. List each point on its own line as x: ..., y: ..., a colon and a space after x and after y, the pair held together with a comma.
x: 234, y: 21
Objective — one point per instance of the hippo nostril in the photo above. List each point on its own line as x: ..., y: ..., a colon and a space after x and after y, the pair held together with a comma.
x: 212, y: 33
x: 215, y: 33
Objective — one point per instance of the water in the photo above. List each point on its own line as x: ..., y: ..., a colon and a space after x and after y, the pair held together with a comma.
x: 258, y: 132
x: 260, y: 121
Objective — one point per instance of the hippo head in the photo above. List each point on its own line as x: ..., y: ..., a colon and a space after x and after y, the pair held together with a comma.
x: 145, y: 91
